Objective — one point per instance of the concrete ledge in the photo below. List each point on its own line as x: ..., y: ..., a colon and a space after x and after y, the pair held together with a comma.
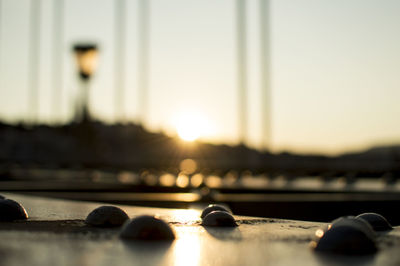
x: 56, y: 235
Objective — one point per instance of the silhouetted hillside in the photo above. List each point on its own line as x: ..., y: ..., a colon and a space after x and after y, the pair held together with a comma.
x: 97, y: 145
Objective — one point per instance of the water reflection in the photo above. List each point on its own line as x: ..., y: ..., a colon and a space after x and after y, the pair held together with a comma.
x: 182, y: 180
x: 126, y: 177
x: 213, y: 181
x: 196, y: 180
x: 230, y: 178
x: 149, y: 178
x: 188, y: 166
x: 167, y: 180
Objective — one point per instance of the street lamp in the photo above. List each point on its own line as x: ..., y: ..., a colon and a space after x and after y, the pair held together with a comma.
x: 86, y: 58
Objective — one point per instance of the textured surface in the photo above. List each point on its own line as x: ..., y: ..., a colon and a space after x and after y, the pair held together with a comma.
x: 56, y: 234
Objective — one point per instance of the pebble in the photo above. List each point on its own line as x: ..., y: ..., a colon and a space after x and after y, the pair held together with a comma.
x: 2, y: 197
x: 147, y: 227
x: 107, y: 216
x: 11, y: 210
x: 219, y: 218
x: 213, y: 207
x: 377, y: 221
x: 346, y: 236
x: 355, y: 222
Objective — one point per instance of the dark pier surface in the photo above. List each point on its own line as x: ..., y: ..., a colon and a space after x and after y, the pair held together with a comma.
x: 56, y: 234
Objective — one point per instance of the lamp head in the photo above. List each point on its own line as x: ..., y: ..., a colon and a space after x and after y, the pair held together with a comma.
x: 86, y: 55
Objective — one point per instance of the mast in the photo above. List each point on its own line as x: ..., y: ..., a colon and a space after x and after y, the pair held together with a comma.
x: 34, y: 55
x: 241, y: 69
x: 265, y: 71
x: 143, y: 58
x: 58, y: 34
x: 119, y: 67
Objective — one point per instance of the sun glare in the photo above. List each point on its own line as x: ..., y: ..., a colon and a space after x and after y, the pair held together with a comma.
x: 191, y: 126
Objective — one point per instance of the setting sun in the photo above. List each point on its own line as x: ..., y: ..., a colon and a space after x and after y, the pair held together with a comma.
x: 191, y: 126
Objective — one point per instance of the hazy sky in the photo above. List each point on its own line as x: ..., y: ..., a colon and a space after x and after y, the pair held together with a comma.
x: 334, y: 66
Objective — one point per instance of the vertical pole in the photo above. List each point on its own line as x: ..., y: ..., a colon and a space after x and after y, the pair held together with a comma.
x: 34, y: 51
x: 265, y: 59
x: 143, y: 58
x: 1, y: 40
x: 85, y: 112
x: 119, y: 68
x: 58, y: 33
x: 241, y: 68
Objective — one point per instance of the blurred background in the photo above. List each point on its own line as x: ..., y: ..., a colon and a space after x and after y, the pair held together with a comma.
x: 202, y: 99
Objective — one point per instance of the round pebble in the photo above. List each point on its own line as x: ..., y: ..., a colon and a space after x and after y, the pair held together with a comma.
x: 346, y: 236
x: 213, y: 207
x: 2, y: 197
x: 147, y: 228
x: 355, y: 222
x: 377, y: 221
x: 219, y: 218
x: 11, y: 210
x: 107, y: 216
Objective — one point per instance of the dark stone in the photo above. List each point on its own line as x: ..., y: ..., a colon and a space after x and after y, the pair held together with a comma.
x: 377, y: 221
x: 147, y: 228
x: 219, y: 218
x: 213, y: 207
x: 11, y: 210
x: 346, y: 236
x: 107, y: 216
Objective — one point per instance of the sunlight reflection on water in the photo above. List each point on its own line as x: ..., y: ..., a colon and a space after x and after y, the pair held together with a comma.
x: 182, y: 180
x: 167, y: 180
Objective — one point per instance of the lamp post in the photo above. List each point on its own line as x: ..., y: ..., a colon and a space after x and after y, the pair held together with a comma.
x: 86, y: 58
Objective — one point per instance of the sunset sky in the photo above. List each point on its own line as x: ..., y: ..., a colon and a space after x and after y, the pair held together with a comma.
x: 334, y: 65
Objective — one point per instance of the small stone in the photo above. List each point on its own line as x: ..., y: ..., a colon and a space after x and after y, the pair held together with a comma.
x: 2, y: 197
x: 346, y: 236
x: 355, y: 222
x: 107, y: 216
x: 147, y: 228
x: 377, y: 221
x: 11, y: 210
x: 219, y: 218
x: 213, y: 207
